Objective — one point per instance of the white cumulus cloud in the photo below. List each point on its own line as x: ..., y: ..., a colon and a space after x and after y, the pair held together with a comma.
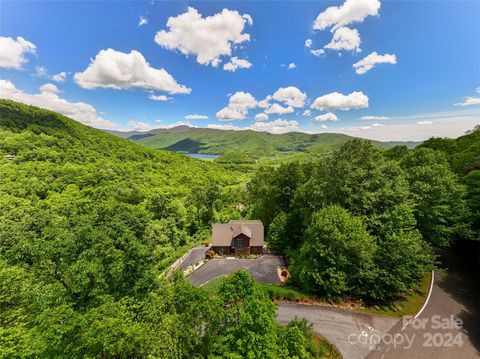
x: 139, y: 126
x: 224, y: 127
x: 277, y: 126
x: 239, y: 104
x: 351, y: 11
x: 307, y: 113
x: 278, y: 109
x: 264, y: 103
x: 317, y: 52
x: 338, y: 101
x: 345, y: 38
x: 49, y: 99
x: 369, y: 62
x: 196, y: 117
x: 290, y: 96
x: 229, y: 113
x: 60, y: 77
x: 13, y: 52
x: 291, y: 66
x: 236, y: 63
x: 49, y: 88
x: 326, y: 117
x: 208, y: 38
x: 261, y: 117
x: 242, y: 99
x: 118, y: 70
x: 308, y: 43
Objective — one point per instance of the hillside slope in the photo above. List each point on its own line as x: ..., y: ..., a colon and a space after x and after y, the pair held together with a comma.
x: 36, y: 136
x: 89, y: 222
x: 186, y: 139
x: 69, y: 172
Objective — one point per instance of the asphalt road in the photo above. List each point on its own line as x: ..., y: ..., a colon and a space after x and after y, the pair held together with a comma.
x: 337, y: 325
x: 263, y: 269
x: 454, y: 295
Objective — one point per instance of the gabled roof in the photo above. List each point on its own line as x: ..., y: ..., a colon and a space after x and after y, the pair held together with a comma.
x: 241, y: 229
x: 223, y: 233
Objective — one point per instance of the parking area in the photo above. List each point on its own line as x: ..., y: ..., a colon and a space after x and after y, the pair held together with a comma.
x: 263, y: 269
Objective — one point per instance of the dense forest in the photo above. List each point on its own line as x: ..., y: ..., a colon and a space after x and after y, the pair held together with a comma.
x: 91, y: 221
x: 361, y: 222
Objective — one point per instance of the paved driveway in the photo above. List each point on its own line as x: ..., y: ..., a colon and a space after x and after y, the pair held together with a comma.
x: 195, y: 256
x: 336, y: 325
x: 263, y: 269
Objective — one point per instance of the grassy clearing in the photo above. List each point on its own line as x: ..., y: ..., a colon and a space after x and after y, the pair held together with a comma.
x: 279, y: 292
x: 213, y: 286
x: 409, y: 305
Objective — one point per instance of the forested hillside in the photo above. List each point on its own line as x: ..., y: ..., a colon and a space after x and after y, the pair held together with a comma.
x: 358, y: 223
x: 187, y: 139
x: 89, y: 222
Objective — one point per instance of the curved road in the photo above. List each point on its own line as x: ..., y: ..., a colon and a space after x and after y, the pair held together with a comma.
x: 336, y: 325
x: 434, y: 334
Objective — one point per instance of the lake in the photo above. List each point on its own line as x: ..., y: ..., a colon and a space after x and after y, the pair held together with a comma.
x: 202, y: 156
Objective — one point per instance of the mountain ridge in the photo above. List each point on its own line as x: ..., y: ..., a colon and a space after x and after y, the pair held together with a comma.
x: 186, y: 139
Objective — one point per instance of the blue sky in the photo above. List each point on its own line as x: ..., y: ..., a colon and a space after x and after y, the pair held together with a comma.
x: 430, y: 88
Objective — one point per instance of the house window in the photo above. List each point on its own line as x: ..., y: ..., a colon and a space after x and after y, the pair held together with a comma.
x: 238, y: 243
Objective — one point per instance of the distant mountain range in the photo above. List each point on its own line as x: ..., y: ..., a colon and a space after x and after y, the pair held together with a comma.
x: 185, y: 139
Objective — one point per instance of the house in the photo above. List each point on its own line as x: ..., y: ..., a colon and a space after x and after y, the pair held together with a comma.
x: 238, y: 237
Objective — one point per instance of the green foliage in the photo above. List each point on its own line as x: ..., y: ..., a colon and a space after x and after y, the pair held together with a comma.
x: 313, y: 208
x: 89, y: 221
x: 440, y: 207
x: 234, y: 158
x: 336, y: 256
x: 463, y: 155
x: 250, y: 329
x: 277, y: 238
x: 396, y: 152
x: 472, y: 183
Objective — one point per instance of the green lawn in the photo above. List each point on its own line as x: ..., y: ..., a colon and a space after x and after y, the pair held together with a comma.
x: 280, y: 292
x: 213, y: 286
